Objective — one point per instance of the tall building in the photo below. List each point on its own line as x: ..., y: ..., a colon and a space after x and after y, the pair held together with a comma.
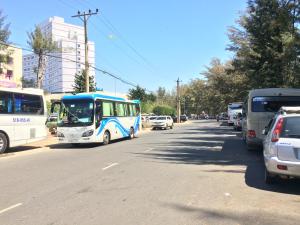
x: 11, y: 70
x: 65, y: 63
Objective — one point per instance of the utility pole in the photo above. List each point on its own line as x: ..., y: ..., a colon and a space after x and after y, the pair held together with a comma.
x: 84, y: 16
x: 178, y: 100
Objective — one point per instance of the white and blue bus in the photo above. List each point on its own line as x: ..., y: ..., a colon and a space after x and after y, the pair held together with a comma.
x: 95, y: 117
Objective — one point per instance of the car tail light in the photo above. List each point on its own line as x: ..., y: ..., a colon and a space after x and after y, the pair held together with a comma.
x: 277, y: 131
x: 251, y: 134
x: 282, y: 167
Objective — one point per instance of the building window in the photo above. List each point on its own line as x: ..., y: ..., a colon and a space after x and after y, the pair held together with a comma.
x: 78, y: 58
x: 78, y: 45
x: 9, y: 74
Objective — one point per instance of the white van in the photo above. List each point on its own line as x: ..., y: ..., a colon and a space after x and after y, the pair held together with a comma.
x: 260, y: 107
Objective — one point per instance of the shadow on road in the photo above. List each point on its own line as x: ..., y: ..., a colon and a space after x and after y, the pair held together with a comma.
x: 214, y: 216
x: 19, y: 149
x: 218, y: 146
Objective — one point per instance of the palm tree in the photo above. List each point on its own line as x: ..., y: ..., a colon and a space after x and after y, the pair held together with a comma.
x: 41, y: 45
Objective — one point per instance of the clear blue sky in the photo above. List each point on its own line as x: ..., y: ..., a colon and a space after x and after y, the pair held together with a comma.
x: 175, y: 38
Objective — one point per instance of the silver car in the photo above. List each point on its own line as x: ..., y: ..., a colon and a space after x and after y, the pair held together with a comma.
x: 282, y: 145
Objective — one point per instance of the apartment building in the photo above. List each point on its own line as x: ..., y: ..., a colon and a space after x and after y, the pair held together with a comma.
x: 65, y: 63
x: 11, y: 70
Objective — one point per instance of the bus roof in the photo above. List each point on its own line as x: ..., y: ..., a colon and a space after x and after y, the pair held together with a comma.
x: 33, y: 91
x: 94, y: 96
x: 274, y: 92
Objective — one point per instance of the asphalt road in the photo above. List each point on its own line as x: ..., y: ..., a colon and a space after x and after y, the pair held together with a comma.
x: 197, y: 173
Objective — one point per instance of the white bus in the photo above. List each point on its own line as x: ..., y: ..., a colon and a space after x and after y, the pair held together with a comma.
x: 95, y: 117
x: 23, y: 114
x: 233, y: 109
x: 260, y: 107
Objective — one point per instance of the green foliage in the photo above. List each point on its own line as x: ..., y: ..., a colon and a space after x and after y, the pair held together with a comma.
x: 41, y: 45
x: 147, y: 107
x: 140, y: 94
x: 164, y: 110
x: 28, y: 83
x: 79, y: 82
x: 267, y: 44
x: 4, y: 38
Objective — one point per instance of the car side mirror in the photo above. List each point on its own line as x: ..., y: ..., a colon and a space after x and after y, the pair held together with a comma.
x: 265, y: 131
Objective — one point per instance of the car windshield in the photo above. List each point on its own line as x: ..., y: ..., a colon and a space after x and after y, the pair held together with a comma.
x: 273, y: 104
x: 76, y: 113
x: 161, y: 118
x: 291, y: 127
x: 234, y: 107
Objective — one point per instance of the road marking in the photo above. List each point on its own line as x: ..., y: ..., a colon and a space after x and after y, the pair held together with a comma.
x: 111, y: 165
x: 11, y: 207
x: 149, y: 149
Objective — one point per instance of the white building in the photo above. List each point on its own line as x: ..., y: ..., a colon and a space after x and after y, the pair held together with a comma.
x: 61, y: 69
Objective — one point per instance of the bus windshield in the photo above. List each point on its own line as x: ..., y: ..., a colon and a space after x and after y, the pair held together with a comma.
x: 234, y: 107
x: 76, y: 113
x: 273, y: 104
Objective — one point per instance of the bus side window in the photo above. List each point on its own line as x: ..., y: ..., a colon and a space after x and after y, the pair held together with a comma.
x: 5, y: 103
x: 108, y: 109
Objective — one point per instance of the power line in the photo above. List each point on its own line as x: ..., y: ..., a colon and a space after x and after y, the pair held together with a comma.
x: 104, y: 19
x: 94, y: 67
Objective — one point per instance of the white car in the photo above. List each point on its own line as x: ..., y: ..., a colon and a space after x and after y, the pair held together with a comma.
x: 162, y: 122
x: 282, y: 145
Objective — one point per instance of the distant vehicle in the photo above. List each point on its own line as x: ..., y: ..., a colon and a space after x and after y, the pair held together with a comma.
x: 163, y: 122
x: 183, y: 118
x: 282, y: 145
x: 238, y: 121
x: 23, y: 114
x: 260, y: 106
x: 95, y: 117
x: 233, y: 109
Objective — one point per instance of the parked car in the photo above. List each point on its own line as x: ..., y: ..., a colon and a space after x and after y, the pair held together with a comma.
x: 282, y: 145
x: 163, y: 122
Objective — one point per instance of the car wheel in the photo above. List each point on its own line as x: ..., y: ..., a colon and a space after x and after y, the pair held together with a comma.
x: 3, y: 143
x: 269, y: 178
x: 106, y: 138
x: 171, y: 127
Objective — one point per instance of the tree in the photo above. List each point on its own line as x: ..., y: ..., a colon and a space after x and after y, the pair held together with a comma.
x: 267, y: 44
x: 79, y: 82
x: 41, y: 45
x: 4, y: 38
x: 140, y: 94
x: 28, y: 83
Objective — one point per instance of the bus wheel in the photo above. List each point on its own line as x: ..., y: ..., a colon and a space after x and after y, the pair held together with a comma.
x: 3, y: 143
x: 106, y: 138
x: 131, y: 135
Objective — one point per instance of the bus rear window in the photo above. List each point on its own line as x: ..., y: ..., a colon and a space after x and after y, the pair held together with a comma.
x: 273, y: 104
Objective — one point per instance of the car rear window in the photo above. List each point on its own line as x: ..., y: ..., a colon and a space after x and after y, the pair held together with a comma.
x: 291, y: 127
x: 273, y: 104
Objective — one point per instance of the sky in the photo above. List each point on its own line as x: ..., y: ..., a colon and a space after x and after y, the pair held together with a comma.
x: 149, y: 43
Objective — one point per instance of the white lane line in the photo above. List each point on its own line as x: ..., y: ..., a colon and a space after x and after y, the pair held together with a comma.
x: 149, y: 149
x: 111, y: 165
x: 11, y: 207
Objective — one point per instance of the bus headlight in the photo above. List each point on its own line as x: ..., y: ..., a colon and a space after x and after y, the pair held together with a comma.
x: 59, y: 134
x: 88, y: 133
